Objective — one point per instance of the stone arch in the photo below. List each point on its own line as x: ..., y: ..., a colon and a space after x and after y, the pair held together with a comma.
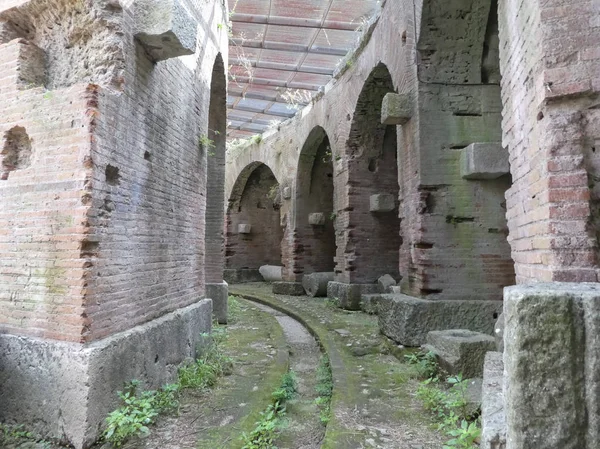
x: 372, y: 229
x: 464, y: 170
x: 314, y: 234
x: 215, y: 183
x: 254, y: 231
x: 16, y: 151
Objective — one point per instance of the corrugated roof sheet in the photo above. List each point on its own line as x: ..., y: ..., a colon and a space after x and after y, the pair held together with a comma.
x: 282, y: 52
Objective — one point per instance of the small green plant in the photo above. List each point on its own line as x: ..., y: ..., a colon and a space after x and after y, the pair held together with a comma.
x: 264, y: 433
x: 447, y: 401
x: 256, y: 138
x: 234, y: 309
x: 425, y: 363
x: 138, y: 412
x: 204, y: 142
x: 324, y: 389
x: 332, y: 216
x: 16, y: 435
x: 219, y: 26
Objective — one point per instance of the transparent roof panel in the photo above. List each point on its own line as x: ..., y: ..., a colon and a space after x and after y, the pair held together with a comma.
x: 282, y: 52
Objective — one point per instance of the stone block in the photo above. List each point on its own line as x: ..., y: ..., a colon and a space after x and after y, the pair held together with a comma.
x: 241, y: 275
x: 288, y: 288
x: 396, y: 109
x: 385, y: 283
x: 481, y: 161
x: 461, y: 350
x: 552, y: 366
x: 65, y: 390
x: 286, y: 193
x: 315, y: 284
x: 316, y: 219
x: 499, y: 333
x: 219, y: 293
x: 349, y: 295
x: 165, y: 28
x: 271, y: 273
x: 382, y: 202
x: 493, y: 417
x: 407, y: 320
x: 244, y: 228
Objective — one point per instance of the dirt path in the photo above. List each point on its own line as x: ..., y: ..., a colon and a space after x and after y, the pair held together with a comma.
x: 374, y: 404
x: 303, y: 429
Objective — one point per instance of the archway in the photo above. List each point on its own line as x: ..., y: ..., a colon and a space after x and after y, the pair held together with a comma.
x: 373, y: 227
x: 215, y: 184
x: 254, y: 231
x: 314, y: 235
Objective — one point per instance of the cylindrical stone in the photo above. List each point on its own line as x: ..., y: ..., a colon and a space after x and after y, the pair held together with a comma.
x: 271, y: 273
x: 315, y: 284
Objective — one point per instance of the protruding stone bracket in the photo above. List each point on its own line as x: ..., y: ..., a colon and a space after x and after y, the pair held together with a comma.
x: 482, y: 161
x: 244, y: 228
x: 382, y: 202
x: 396, y: 109
x: 286, y: 193
x: 316, y: 219
x: 165, y: 29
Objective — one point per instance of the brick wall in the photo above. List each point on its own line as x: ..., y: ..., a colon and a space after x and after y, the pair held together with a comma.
x: 104, y: 227
x: 549, y: 87
x: 257, y: 203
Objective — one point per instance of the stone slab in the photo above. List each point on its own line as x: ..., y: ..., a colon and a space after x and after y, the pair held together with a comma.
x: 315, y: 284
x: 385, y: 283
x: 316, y: 219
x: 493, y: 418
x: 165, y: 28
x: 407, y: 320
x: 271, y: 273
x: 219, y: 293
x: 484, y: 161
x: 244, y: 228
x: 288, y: 288
x: 552, y: 366
x: 65, y: 390
x: 349, y: 295
x: 461, y: 350
x: 241, y: 275
x: 382, y: 202
x: 396, y: 109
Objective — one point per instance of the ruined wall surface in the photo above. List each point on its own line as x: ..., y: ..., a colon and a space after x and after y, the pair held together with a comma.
x: 258, y: 206
x: 451, y: 241
x: 314, y: 243
x: 550, y: 82
x: 46, y: 126
x: 103, y: 211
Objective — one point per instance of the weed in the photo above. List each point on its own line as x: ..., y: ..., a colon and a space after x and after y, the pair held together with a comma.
x: 425, y: 362
x: 324, y: 389
x: 140, y: 410
x: 204, y: 142
x: 256, y: 138
x: 16, y: 435
x: 234, y: 309
x: 447, y: 402
x: 263, y: 435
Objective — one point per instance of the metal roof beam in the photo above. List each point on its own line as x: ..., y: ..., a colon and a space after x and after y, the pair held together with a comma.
x: 284, y: 67
x: 294, y: 48
x: 295, y: 22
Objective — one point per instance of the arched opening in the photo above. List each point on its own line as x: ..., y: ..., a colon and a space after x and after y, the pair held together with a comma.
x: 16, y: 151
x: 314, y: 236
x: 214, y: 146
x: 373, y: 227
x: 461, y: 249
x: 254, y: 231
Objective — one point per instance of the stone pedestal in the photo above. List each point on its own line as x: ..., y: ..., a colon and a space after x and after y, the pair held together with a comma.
x: 552, y: 366
x: 219, y: 293
x: 349, y: 295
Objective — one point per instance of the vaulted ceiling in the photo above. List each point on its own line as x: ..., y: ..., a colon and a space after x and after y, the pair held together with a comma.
x: 281, y: 52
